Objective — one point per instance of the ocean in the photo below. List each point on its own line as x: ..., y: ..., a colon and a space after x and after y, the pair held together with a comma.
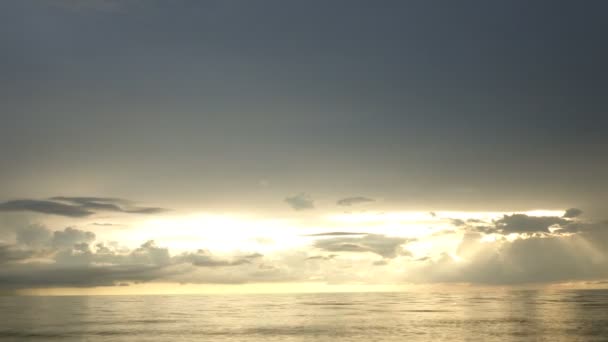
x: 534, y: 315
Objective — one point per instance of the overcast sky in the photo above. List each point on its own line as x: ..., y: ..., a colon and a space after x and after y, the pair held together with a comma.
x: 431, y: 129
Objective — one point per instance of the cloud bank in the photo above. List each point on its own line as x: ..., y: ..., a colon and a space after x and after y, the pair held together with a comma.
x: 512, y: 249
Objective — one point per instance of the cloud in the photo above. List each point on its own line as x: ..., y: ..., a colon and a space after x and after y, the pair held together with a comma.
x: 203, y: 258
x: 11, y: 253
x: 572, y: 213
x: 300, y: 201
x: 69, y: 257
x: 45, y: 207
x: 521, y: 223
x: 71, y: 236
x: 33, y: 235
x: 457, y: 222
x: 537, y: 259
x: 348, y: 201
x: 109, y: 204
x: 34, y: 256
x: 387, y: 247
x: 77, y: 206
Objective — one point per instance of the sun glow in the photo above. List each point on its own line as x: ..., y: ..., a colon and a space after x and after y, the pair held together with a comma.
x: 229, y: 233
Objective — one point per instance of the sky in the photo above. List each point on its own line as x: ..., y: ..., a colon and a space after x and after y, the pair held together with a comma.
x: 302, y: 144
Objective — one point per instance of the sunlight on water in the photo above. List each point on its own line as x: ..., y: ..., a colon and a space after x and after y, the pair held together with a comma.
x: 484, y: 316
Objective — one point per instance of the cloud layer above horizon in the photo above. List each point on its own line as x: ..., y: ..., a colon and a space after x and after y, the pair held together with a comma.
x: 377, y: 248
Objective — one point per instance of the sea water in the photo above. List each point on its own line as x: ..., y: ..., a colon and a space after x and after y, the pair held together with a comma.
x: 536, y: 315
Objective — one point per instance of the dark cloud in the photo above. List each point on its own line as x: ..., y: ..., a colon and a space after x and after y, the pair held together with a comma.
x: 45, y: 207
x: 520, y: 223
x: 348, y: 201
x: 387, y: 247
x: 300, y: 201
x: 77, y: 206
x: 573, y: 212
x: 109, y: 204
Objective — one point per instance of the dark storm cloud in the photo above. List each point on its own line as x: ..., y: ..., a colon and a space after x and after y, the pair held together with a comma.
x: 301, y: 201
x: 77, y: 206
x: 385, y: 246
x: 348, y: 201
x: 572, y: 212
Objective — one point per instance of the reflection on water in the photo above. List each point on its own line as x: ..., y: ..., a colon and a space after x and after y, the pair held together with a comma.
x: 484, y: 316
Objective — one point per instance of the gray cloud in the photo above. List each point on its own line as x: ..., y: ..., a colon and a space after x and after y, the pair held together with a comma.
x: 71, y: 236
x: 457, y: 222
x: 11, y: 253
x: 521, y: 223
x: 33, y: 235
x: 573, y: 212
x: 387, y: 247
x: 109, y: 204
x: 301, y: 201
x: 77, y: 206
x: 69, y: 258
x: 38, y: 257
x: 348, y: 201
x: 203, y: 258
x: 45, y: 207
